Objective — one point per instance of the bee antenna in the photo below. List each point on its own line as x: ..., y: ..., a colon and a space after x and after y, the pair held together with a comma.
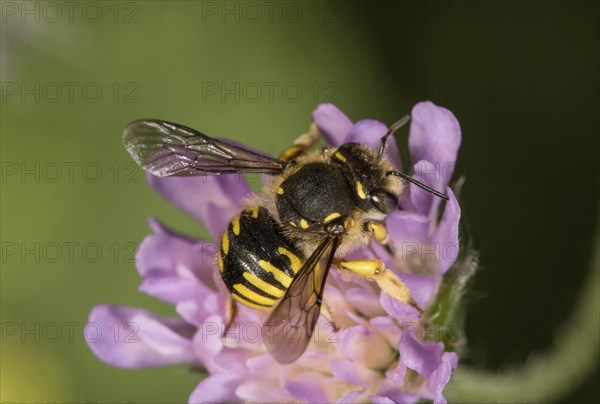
x: 395, y: 126
x: 419, y: 184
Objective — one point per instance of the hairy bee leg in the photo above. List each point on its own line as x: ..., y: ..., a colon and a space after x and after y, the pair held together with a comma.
x: 386, y: 279
x: 301, y: 144
x: 393, y: 286
x: 231, y: 313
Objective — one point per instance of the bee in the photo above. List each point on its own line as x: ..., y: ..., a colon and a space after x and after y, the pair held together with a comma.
x: 275, y: 255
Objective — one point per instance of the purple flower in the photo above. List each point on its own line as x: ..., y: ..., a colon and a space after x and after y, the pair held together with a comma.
x: 378, y: 354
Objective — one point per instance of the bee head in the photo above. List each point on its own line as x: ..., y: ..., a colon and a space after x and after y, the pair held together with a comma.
x: 377, y: 183
x: 376, y: 192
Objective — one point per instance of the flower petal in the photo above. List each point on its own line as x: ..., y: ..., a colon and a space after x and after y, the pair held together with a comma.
x: 338, y: 305
x: 358, y: 344
x: 263, y: 365
x: 441, y: 376
x: 365, y: 301
x: 434, y: 136
x: 332, y: 123
x: 213, y: 201
x: 173, y: 289
x: 217, y: 389
x: 309, y: 387
x: 258, y: 390
x: 354, y: 373
x: 380, y: 400
x: 393, y: 378
x: 395, y: 397
x: 387, y: 328
x: 208, y: 343
x: 350, y: 398
x: 415, y: 252
x: 196, y: 311
x: 406, y: 227
x: 132, y: 338
x: 424, y: 201
x: 393, y: 387
x: 164, y: 255
x: 422, y: 357
x: 369, y: 132
x: 446, y: 234
x: 231, y: 361
x: 160, y: 228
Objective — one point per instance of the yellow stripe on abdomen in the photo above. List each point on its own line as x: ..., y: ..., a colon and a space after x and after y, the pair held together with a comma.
x: 295, y: 262
x: 252, y: 296
x: 248, y: 303
x: 225, y: 242
x: 281, y: 276
x: 262, y: 285
x: 220, y: 260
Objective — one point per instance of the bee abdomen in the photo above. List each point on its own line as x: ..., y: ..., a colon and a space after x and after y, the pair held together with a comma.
x: 257, y: 262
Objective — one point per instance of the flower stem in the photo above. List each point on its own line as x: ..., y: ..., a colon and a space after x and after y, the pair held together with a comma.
x: 550, y: 376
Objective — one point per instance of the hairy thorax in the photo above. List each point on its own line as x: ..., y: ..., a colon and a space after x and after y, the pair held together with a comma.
x: 310, y: 197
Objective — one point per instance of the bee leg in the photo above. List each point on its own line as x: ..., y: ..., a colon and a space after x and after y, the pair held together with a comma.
x: 231, y: 313
x: 386, y: 279
x: 379, y: 233
x: 301, y: 144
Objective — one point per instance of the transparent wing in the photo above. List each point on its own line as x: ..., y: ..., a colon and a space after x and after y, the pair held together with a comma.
x: 288, y: 330
x: 168, y: 149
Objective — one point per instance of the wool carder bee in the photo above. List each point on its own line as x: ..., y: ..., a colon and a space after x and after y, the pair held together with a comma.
x: 319, y: 206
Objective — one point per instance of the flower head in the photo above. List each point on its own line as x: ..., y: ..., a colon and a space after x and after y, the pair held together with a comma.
x: 376, y: 355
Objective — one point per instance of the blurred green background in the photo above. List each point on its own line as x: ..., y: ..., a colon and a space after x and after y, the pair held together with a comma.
x: 521, y: 77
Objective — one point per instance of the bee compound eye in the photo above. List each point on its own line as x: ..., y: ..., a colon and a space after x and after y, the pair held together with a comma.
x: 384, y: 201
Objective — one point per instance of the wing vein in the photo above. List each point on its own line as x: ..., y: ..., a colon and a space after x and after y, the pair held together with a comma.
x: 289, y: 328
